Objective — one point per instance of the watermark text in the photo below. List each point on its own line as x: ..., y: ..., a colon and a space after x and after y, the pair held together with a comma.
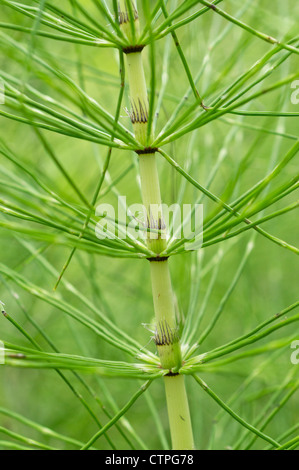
x: 295, y: 94
x: 158, y: 221
x: 295, y: 354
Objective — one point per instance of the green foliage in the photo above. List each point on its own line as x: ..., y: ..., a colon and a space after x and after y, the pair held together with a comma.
x: 220, y: 113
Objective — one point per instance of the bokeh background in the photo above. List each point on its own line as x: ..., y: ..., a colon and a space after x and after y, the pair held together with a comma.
x: 121, y: 288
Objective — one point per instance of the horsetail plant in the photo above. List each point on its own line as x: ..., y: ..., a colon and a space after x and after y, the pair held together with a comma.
x: 162, y: 119
x: 166, y: 336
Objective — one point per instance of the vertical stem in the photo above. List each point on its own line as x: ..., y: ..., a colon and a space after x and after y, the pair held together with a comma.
x: 178, y: 412
x: 151, y: 198
x: 167, y: 336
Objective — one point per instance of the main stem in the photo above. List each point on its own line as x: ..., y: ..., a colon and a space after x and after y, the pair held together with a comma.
x: 167, y: 337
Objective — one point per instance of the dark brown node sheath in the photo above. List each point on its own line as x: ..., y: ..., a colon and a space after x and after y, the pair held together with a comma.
x: 146, y: 151
x: 158, y: 258
x: 132, y: 49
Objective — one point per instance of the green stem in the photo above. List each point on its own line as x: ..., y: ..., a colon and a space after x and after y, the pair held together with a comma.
x: 166, y: 337
x: 179, y: 414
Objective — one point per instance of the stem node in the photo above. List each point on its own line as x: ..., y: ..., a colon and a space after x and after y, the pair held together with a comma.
x: 133, y: 48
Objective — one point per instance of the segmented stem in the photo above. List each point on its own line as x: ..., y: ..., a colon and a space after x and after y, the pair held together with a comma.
x: 167, y: 335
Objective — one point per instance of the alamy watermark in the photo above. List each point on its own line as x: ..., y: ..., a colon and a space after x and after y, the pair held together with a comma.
x: 295, y: 94
x: 135, y: 221
x: 295, y: 354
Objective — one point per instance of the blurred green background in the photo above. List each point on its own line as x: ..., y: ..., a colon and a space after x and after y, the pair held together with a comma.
x: 121, y: 288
